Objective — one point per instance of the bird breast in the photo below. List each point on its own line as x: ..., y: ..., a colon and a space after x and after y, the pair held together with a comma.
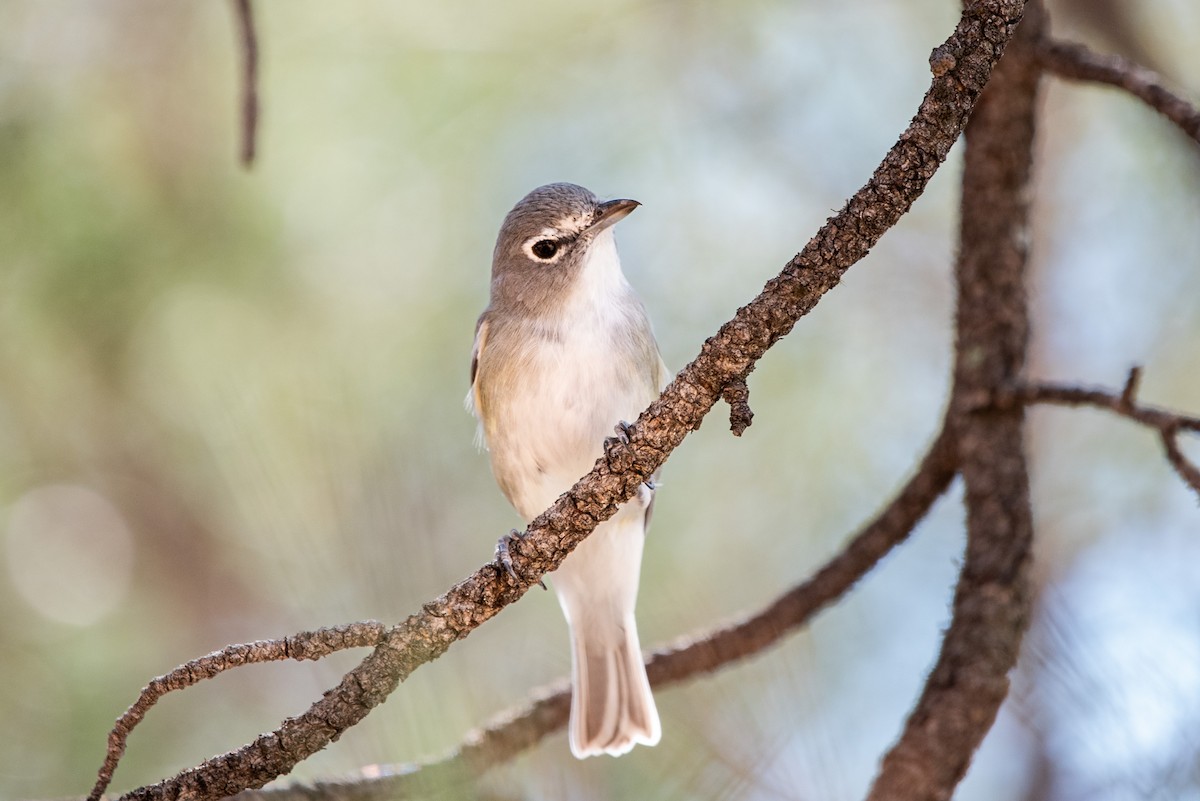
x: 554, y: 388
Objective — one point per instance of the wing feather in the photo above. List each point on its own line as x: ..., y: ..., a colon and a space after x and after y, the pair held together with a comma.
x: 481, y: 333
x: 472, y: 401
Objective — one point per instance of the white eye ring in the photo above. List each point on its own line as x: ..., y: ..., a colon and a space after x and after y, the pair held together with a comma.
x: 543, y: 248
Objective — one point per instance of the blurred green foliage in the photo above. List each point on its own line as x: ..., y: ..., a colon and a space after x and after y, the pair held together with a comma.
x: 253, y: 381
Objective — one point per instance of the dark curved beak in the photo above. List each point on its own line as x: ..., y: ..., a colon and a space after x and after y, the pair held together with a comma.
x: 610, y: 212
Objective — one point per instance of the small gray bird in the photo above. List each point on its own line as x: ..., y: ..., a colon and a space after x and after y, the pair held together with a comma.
x: 563, y: 353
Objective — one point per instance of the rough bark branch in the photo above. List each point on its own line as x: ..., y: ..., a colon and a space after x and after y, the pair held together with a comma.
x: 970, y: 680
x: 966, y: 63
x: 1076, y: 62
x: 519, y: 729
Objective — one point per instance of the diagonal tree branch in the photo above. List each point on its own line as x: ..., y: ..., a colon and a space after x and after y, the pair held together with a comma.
x: 970, y: 680
x: 1076, y: 62
x: 965, y: 63
x: 517, y: 730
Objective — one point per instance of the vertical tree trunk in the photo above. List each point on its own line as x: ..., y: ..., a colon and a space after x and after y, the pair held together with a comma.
x: 970, y: 680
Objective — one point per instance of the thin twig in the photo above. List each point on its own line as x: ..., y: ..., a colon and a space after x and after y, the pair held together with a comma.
x: 244, y: 15
x: 1077, y: 62
x: 1129, y: 391
x: 305, y: 645
x: 1124, y: 403
x: 1186, y: 470
x: 1115, y: 402
x: 517, y: 730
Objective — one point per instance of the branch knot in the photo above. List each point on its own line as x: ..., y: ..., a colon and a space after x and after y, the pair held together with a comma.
x: 943, y: 59
x: 737, y: 395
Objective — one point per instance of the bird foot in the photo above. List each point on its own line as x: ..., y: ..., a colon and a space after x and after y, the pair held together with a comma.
x: 623, y: 430
x: 506, y: 558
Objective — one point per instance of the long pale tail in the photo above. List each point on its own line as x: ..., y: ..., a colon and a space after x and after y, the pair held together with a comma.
x: 612, y: 709
x: 611, y: 706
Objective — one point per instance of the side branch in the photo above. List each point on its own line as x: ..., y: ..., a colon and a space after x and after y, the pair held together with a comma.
x: 1115, y: 402
x: 305, y: 645
x: 1168, y: 424
x: 1078, y: 63
x: 517, y: 730
x: 976, y: 44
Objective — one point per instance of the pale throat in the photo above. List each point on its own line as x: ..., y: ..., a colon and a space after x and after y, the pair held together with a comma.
x: 601, y: 286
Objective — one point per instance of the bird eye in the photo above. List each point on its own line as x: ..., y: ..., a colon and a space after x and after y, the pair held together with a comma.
x: 545, y: 248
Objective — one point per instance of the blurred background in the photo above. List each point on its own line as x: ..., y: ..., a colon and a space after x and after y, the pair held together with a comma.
x: 231, y: 402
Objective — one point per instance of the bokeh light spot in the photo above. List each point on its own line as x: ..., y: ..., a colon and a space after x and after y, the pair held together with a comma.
x: 70, y: 554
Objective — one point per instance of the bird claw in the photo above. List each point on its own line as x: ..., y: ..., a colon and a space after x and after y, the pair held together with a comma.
x: 623, y: 430
x: 502, y: 551
x: 506, y: 558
